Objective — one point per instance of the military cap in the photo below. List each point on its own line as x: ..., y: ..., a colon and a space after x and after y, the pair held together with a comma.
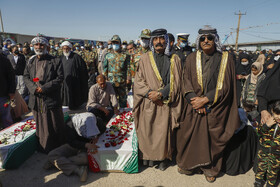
x: 51, y: 42
x: 207, y: 30
x: 124, y: 42
x: 116, y: 38
x: 146, y: 33
x: 76, y: 45
x: 131, y: 42
x: 183, y: 36
x: 159, y: 32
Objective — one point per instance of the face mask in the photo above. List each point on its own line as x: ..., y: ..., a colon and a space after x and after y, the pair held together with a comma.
x: 183, y: 44
x: 77, y: 48
x: 101, y: 46
x: 276, y: 58
x: 56, y: 48
x: 110, y: 46
x: 20, y: 49
x: 52, y: 47
x: 245, y: 63
x: 97, y: 47
x: 116, y: 47
x: 124, y: 46
x: 16, y: 52
x: 144, y: 43
x: 32, y: 48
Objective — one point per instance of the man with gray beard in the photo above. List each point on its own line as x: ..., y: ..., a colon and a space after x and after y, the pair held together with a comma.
x: 75, y: 84
x: 43, y: 77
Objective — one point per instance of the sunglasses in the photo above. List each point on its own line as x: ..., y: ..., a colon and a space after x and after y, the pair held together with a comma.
x: 209, y: 38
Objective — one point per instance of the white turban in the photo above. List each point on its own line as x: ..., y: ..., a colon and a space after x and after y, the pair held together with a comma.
x: 66, y: 43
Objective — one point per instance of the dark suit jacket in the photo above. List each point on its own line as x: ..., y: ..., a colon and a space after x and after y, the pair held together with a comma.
x: 7, y: 77
x: 20, y: 65
x: 51, y: 83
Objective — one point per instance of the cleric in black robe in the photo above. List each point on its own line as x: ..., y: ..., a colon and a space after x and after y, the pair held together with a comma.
x: 75, y: 84
x: 242, y: 69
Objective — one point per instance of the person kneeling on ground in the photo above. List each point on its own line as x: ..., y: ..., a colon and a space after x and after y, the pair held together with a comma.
x: 101, y: 99
x: 71, y: 158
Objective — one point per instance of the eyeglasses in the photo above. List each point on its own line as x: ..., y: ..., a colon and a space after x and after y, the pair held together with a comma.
x: 209, y: 38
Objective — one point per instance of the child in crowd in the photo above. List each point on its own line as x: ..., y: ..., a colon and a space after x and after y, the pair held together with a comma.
x: 251, y: 85
x: 269, y: 153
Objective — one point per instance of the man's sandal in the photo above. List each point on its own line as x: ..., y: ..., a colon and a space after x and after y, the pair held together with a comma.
x: 210, y: 179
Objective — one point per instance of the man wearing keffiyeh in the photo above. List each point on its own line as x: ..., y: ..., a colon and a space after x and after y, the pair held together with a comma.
x: 45, y: 100
x: 211, y: 116
x: 156, y: 100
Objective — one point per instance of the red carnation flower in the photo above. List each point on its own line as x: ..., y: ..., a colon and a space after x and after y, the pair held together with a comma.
x: 107, y: 145
x: 36, y: 79
x: 6, y: 105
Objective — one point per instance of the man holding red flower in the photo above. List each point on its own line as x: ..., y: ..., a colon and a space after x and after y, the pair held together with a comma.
x: 43, y: 77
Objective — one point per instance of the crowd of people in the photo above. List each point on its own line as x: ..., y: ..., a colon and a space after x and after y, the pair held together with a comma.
x: 210, y: 109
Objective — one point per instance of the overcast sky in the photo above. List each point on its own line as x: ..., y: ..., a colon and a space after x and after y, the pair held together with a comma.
x: 100, y: 20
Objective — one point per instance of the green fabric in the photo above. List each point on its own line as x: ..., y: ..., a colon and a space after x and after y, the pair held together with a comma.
x: 66, y: 116
x: 132, y: 164
x: 20, y: 152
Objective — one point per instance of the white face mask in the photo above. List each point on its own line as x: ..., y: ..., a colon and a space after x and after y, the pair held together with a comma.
x: 144, y: 43
x: 245, y: 63
x: 276, y: 58
x: 124, y: 46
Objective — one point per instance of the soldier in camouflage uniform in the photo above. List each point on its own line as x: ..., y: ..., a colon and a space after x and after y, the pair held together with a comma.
x: 79, y: 51
x: 116, y: 68
x: 269, y: 153
x: 52, y: 51
x: 145, y: 39
x: 90, y: 59
x: 124, y: 46
x: 59, y: 49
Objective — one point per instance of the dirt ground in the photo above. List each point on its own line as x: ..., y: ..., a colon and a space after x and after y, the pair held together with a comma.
x: 32, y: 174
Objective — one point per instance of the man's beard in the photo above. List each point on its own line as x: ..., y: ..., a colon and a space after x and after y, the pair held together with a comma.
x: 40, y: 52
x: 66, y: 54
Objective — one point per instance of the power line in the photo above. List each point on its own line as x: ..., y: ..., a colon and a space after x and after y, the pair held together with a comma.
x: 258, y: 36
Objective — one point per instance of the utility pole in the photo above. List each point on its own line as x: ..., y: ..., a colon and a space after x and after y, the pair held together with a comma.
x: 2, y: 26
x: 237, y: 30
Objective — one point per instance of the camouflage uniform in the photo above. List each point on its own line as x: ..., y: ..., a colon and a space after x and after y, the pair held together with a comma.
x: 59, y: 52
x: 78, y: 51
x: 269, y: 154
x: 146, y: 33
x: 116, y: 67
x: 53, y: 52
x: 90, y: 60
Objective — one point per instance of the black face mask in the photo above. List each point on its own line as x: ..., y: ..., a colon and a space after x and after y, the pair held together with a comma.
x: 16, y: 52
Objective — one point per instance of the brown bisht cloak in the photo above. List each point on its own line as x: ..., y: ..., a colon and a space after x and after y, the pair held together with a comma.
x: 154, y: 124
x: 201, y: 139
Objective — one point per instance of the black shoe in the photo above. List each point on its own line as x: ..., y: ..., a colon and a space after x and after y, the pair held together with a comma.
x: 259, y: 183
x: 151, y: 163
x: 162, y: 165
x: 145, y: 162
